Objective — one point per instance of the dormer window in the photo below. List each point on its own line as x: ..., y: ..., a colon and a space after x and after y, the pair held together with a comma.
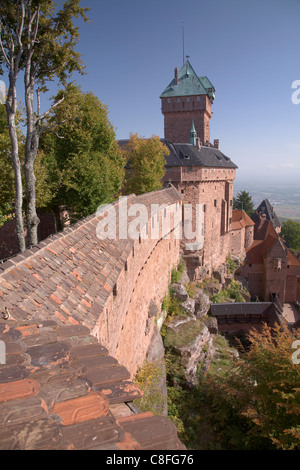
x: 186, y: 157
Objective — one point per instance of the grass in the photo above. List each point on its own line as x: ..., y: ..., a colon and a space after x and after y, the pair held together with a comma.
x: 187, y: 333
x: 233, y: 292
x: 178, y: 272
x: 149, y: 378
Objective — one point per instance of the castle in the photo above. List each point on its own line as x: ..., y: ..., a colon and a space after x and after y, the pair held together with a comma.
x: 204, y: 177
x: 200, y: 171
x: 81, y: 308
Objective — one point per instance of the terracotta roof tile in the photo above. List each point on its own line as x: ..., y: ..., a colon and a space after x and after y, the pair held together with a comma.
x: 121, y: 392
x: 86, y: 408
x: 12, y: 373
x: 18, y: 389
x: 59, y: 382
x: 240, y: 219
x: 103, y: 431
x: 61, y: 397
x: 151, y: 431
x: 15, y: 412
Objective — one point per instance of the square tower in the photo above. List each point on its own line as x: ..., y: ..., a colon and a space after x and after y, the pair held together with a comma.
x: 188, y: 98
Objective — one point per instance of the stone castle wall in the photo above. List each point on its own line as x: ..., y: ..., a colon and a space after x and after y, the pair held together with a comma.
x: 127, y: 321
x: 179, y: 112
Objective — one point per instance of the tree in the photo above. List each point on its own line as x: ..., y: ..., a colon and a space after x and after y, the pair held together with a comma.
x: 290, y: 231
x: 146, y: 162
x: 7, y: 192
x: 39, y: 40
x: 261, y: 391
x: 244, y: 202
x: 83, y: 161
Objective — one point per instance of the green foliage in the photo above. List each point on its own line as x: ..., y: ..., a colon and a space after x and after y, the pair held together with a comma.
x: 188, y: 332
x: 243, y: 201
x: 7, y: 190
x: 52, y: 52
x: 191, y: 289
x: 146, y: 160
x: 255, y: 404
x: 149, y: 378
x: 290, y: 231
x: 173, y: 308
x: 84, y: 164
x: 232, y: 292
x: 232, y: 265
x: 178, y: 272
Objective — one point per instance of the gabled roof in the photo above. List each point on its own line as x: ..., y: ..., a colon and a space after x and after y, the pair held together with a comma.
x: 240, y: 219
x: 246, y: 312
x: 189, y: 155
x: 189, y: 84
x: 266, y: 209
x: 262, y: 248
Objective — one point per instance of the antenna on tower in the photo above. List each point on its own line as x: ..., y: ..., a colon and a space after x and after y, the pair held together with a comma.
x: 182, y: 43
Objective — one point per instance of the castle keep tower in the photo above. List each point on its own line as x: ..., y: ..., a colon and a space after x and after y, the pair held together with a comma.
x: 199, y: 170
x: 188, y: 98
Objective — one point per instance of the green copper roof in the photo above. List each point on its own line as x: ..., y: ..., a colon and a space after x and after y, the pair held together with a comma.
x: 189, y: 84
x: 193, y: 134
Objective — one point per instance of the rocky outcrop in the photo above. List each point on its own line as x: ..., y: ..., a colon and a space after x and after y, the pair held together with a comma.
x: 190, y: 335
x: 179, y: 291
x: 191, y: 340
x: 202, y: 304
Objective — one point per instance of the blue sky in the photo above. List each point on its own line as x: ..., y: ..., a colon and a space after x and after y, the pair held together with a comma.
x: 249, y: 50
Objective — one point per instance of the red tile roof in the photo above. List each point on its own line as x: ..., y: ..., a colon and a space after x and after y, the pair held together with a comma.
x: 69, y: 276
x: 240, y: 220
x: 59, y: 386
x: 59, y: 395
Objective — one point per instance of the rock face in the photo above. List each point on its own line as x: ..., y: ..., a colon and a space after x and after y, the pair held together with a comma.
x: 189, y: 306
x: 191, y: 340
x: 179, y: 291
x: 202, y: 304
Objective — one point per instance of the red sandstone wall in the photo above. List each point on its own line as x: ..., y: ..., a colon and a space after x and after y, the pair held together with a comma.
x: 126, y: 324
x: 237, y: 242
x: 179, y: 112
x: 212, y: 187
x: 249, y: 236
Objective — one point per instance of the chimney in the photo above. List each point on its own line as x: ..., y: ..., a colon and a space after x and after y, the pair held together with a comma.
x: 216, y: 143
x: 198, y: 143
x: 176, y: 76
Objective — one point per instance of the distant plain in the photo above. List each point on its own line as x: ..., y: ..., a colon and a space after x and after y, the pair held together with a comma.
x: 285, y: 198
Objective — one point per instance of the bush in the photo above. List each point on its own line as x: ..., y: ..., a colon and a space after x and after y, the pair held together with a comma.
x: 149, y: 378
x: 177, y: 273
x: 232, y: 265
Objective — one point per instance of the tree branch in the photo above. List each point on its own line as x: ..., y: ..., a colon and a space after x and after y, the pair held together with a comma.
x: 51, y: 129
x: 3, y: 52
x: 51, y: 109
x: 19, y: 35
